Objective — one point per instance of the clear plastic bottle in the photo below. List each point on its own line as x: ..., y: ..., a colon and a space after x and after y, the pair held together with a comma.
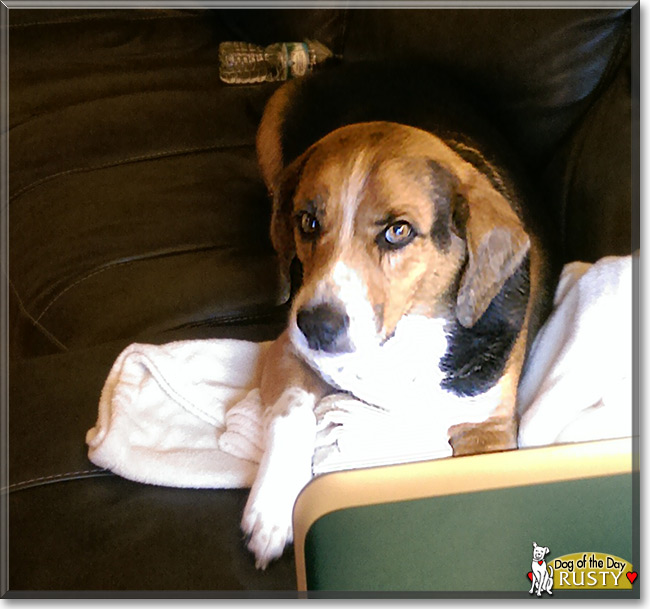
x: 246, y: 63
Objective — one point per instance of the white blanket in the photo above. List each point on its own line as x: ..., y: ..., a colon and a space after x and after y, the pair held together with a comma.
x: 578, y: 383
x: 188, y: 413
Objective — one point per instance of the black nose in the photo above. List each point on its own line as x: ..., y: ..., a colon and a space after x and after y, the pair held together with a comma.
x: 325, y: 328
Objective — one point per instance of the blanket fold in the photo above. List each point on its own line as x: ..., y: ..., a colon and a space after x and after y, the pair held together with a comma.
x: 188, y: 414
x: 163, y: 410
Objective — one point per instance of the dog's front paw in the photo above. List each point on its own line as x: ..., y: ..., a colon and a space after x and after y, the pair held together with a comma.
x: 267, y: 523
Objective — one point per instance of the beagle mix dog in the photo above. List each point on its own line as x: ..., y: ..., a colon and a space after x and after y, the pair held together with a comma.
x: 397, y: 229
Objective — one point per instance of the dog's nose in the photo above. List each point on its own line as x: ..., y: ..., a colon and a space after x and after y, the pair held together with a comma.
x: 325, y: 327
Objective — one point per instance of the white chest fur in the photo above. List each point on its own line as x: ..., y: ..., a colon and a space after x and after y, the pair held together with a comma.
x: 403, y: 373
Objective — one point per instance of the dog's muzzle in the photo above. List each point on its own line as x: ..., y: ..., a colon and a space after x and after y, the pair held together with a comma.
x: 325, y: 327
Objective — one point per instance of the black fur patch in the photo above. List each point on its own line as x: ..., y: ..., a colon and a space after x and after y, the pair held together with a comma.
x: 476, y: 357
x: 443, y: 187
x: 460, y: 216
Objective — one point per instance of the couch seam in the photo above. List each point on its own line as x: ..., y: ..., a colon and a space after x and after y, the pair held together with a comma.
x: 113, y: 265
x: 124, y: 161
x: 344, y: 32
x: 53, y: 478
x: 229, y: 319
x: 78, y: 281
x: 36, y: 323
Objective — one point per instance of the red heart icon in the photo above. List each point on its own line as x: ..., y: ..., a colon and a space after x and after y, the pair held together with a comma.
x: 530, y: 575
x: 539, y: 562
x: 632, y: 575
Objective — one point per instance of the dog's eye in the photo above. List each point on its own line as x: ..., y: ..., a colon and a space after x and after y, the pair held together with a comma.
x: 396, y: 235
x: 307, y: 224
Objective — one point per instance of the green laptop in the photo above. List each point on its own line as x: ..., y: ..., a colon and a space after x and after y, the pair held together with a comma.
x: 465, y: 526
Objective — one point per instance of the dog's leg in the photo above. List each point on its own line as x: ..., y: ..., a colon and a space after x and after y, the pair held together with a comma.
x: 542, y: 580
x: 284, y: 470
x: 493, y: 435
x: 291, y: 392
x: 532, y: 587
x: 499, y: 432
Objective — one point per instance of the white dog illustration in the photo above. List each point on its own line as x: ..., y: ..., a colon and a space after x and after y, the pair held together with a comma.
x: 542, y: 577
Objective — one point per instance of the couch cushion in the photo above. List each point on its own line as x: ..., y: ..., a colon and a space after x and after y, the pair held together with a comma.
x: 542, y: 66
x: 135, y: 200
x: 593, y: 177
x: 74, y: 526
x: 102, y: 536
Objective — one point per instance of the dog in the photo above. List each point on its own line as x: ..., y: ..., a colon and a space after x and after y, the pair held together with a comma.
x: 542, y: 576
x: 394, y: 227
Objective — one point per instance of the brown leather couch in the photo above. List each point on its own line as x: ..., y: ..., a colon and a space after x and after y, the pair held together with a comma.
x: 137, y: 213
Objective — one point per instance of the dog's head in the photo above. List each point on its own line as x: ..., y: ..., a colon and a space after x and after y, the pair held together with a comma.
x: 539, y: 552
x: 387, y: 220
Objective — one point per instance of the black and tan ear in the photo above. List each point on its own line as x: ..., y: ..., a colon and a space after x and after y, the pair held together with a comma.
x: 282, y: 235
x: 497, y: 244
x: 280, y: 181
x: 268, y: 143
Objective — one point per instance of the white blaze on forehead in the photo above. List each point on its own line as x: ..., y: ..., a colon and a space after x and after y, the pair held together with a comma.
x: 352, y: 187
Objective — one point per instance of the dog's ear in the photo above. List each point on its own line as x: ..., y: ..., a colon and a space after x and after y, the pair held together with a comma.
x: 268, y: 142
x: 496, y: 243
x: 282, y: 236
x: 546, y: 551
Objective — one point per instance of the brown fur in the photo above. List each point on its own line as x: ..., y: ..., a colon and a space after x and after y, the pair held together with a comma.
x: 269, y: 150
x: 282, y: 369
x: 355, y: 178
x: 364, y: 166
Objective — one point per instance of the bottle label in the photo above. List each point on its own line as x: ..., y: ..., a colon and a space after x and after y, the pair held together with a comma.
x: 298, y: 54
